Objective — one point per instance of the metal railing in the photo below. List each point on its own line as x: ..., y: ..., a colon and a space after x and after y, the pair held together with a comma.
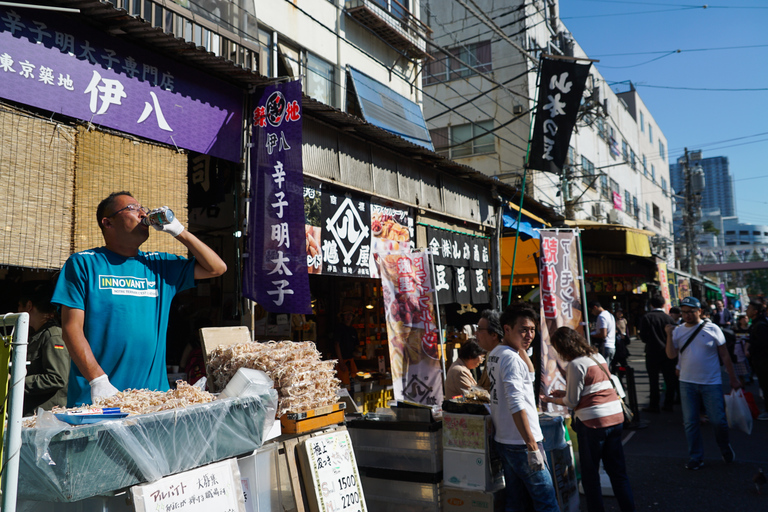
x: 12, y: 439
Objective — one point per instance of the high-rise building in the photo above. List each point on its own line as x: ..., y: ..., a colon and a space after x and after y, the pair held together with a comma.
x: 718, y: 192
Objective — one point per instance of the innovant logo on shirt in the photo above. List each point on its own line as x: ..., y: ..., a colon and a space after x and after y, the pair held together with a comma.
x: 126, y: 285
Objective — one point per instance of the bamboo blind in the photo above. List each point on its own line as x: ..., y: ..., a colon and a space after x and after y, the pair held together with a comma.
x: 36, y: 189
x: 154, y: 175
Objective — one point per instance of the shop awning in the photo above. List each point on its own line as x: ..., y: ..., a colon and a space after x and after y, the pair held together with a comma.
x: 529, y: 223
x: 383, y: 107
x: 526, y: 271
x: 613, y: 238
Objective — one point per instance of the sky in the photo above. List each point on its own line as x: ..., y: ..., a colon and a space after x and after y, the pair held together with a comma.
x: 712, y: 95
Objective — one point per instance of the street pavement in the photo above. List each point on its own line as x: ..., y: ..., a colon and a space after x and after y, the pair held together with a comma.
x: 656, y: 456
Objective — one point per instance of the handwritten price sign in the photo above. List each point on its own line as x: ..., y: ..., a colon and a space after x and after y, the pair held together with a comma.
x: 331, y: 463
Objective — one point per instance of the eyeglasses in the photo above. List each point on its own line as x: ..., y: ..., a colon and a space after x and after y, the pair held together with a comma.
x: 688, y: 312
x: 131, y: 208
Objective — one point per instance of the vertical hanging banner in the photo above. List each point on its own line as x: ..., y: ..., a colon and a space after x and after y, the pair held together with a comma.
x: 561, y: 86
x: 664, y: 283
x: 275, y: 273
x: 411, y: 329
x: 561, y: 301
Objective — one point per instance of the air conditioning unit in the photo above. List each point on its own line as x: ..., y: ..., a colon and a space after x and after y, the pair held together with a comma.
x: 517, y: 110
x: 613, y: 217
x: 597, y: 210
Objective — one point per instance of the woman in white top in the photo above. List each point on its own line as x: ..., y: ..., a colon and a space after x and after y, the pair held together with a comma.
x: 597, y: 418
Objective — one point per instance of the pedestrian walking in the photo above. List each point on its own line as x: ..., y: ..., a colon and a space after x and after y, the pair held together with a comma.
x: 757, y: 348
x: 653, y: 334
x: 605, y: 330
x: 697, y: 343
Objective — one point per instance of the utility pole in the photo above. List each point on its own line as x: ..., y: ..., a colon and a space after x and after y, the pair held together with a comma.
x: 694, y: 186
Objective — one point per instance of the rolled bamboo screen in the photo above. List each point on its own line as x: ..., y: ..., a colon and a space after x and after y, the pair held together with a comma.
x: 154, y: 175
x: 36, y: 190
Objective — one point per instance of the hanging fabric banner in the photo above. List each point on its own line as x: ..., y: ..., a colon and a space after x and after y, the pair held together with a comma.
x: 462, y: 264
x: 664, y: 283
x: 275, y: 272
x: 562, y: 303
x: 414, y: 340
x: 561, y: 85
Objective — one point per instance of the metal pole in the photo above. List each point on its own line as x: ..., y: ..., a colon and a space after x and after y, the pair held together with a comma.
x: 584, y: 303
x: 517, y: 238
x: 428, y: 252
x: 11, y: 454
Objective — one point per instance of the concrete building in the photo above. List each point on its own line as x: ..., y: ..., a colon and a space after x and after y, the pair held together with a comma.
x: 479, y: 93
x: 718, y: 193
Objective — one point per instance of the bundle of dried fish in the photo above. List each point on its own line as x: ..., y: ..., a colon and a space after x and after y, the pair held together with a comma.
x: 302, y: 380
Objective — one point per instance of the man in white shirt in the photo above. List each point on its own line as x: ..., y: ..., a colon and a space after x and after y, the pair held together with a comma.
x: 697, y: 343
x: 513, y: 410
x: 605, y: 331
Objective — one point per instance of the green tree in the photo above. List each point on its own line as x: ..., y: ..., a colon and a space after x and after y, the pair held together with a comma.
x: 757, y: 280
x: 709, y: 227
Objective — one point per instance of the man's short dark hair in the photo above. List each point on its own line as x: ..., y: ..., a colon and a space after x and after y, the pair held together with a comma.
x: 516, y: 311
x: 594, y: 304
x: 107, y: 204
x: 494, y: 325
x: 657, y: 302
x: 675, y: 310
x: 470, y: 350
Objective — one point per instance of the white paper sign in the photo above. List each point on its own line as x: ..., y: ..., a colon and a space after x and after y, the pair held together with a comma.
x: 205, y: 489
x: 334, y: 473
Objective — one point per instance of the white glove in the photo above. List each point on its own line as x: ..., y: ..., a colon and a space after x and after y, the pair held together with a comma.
x: 101, y: 388
x: 536, y: 461
x: 174, y: 227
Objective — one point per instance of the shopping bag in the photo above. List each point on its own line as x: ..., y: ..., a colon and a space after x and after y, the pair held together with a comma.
x: 737, y: 411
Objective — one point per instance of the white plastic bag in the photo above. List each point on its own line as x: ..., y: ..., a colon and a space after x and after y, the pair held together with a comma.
x: 737, y: 411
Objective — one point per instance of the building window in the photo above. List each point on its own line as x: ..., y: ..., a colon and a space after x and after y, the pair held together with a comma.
x: 756, y: 233
x: 604, y: 190
x: 647, y: 212
x: 650, y: 133
x: 624, y: 150
x: 642, y: 122
x: 445, y: 67
x: 318, y: 82
x: 464, y: 139
x: 588, y: 172
x: 656, y: 216
x: 664, y: 185
x: 635, y: 207
x: 653, y: 173
x: 632, y: 162
x: 645, y: 166
x: 744, y: 232
x: 730, y: 232
x: 662, y: 152
x: 627, y: 202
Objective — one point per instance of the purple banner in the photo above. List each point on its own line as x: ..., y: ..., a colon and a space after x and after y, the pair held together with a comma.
x: 55, y: 63
x: 275, y: 273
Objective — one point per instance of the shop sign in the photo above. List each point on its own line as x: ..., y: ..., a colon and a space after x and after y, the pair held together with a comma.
x: 275, y: 272
x: 343, y: 230
x: 664, y: 284
x: 462, y: 266
x: 411, y: 328
x: 561, y: 301
x: 57, y: 64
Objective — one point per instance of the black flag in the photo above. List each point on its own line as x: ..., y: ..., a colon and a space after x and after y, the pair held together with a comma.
x: 560, y: 91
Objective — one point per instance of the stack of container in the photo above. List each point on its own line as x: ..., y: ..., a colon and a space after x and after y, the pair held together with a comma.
x: 472, y: 473
x: 400, y: 462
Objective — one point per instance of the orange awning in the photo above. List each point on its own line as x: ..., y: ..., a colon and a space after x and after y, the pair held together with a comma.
x: 526, y: 271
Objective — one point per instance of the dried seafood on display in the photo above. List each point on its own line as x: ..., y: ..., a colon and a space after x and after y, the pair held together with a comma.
x: 302, y: 380
x: 143, y: 401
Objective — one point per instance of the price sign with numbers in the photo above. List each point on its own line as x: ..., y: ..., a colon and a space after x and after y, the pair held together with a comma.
x: 330, y: 472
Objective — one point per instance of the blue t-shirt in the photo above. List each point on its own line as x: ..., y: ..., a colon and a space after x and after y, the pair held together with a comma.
x: 126, y: 303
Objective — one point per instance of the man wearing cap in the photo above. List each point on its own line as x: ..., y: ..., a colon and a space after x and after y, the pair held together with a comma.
x: 757, y: 347
x: 697, y: 343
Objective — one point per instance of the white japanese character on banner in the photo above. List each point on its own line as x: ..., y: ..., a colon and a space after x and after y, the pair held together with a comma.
x: 64, y: 42
x: 476, y: 252
x: 271, y: 142
x: 13, y: 21
x: 87, y: 52
x: 446, y: 252
x: 280, y: 265
x: 27, y: 69
x: 280, y: 234
x: 560, y: 82
x: 441, y: 284
x: 131, y: 67
x: 480, y: 277
x: 461, y: 280
x: 456, y: 250
x: 434, y: 246
x: 555, y: 106
x: 166, y: 82
x: 6, y: 61
x: 281, y: 291
x: 148, y: 109
x: 549, y: 145
x: 279, y: 175
x: 112, y: 93
x: 330, y: 252
x: 109, y: 58
x: 485, y: 254
x: 39, y: 31
x: 149, y: 71
x: 365, y: 255
x: 46, y: 75
x: 283, y: 142
x: 466, y: 251
x: 280, y: 204
x: 66, y: 82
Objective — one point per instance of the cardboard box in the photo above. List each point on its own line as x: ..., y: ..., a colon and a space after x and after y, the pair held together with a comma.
x: 472, y: 470
x: 459, y: 500
x: 467, y: 432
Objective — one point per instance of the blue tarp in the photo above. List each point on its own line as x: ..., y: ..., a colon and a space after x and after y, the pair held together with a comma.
x: 389, y: 110
x: 528, y: 226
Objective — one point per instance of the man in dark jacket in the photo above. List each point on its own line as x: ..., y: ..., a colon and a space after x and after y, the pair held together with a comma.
x: 653, y: 334
x: 757, y: 347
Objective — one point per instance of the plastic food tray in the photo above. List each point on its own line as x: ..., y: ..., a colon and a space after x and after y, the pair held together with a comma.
x: 87, y: 419
x: 66, y: 463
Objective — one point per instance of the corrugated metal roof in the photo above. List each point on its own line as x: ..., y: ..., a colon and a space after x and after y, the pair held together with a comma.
x: 122, y: 24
